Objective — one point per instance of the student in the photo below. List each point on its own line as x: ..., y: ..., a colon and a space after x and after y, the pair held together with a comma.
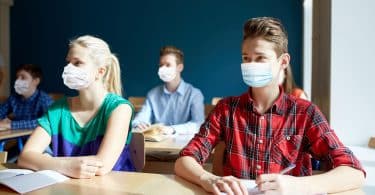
x: 265, y: 130
x: 286, y: 80
x: 89, y: 133
x: 28, y: 103
x: 176, y: 104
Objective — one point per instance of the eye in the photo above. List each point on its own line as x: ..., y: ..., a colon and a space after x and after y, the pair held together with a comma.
x: 261, y: 59
x: 245, y: 59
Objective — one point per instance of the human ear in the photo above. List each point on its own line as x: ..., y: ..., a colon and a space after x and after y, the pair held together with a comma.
x: 101, y: 71
x: 36, y: 81
x: 284, y: 60
x: 180, y: 67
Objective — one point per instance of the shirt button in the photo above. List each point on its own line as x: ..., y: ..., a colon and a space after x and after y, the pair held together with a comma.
x: 261, y: 117
x: 288, y: 138
x: 259, y: 167
x: 260, y: 141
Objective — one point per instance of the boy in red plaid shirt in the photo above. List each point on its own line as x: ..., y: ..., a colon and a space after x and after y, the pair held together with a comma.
x: 265, y: 130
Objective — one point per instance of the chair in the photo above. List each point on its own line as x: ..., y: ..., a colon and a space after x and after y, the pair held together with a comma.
x: 215, y: 100
x: 3, y: 99
x: 218, y: 159
x: 207, y: 109
x: 56, y: 96
x: 137, y: 102
x: 137, y: 151
x: 3, y: 157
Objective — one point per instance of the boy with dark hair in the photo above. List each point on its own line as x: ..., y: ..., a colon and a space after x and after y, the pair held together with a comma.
x: 28, y: 103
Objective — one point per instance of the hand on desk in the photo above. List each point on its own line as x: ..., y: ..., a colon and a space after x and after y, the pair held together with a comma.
x: 228, y: 184
x: 5, y: 124
x: 81, y: 168
x: 283, y: 184
x: 155, y: 129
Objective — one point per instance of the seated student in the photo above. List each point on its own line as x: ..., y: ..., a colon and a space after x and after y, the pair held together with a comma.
x: 266, y: 130
x: 286, y: 80
x: 28, y: 103
x: 176, y: 104
x: 89, y: 133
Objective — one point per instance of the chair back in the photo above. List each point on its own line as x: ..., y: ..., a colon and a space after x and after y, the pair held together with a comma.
x: 56, y: 96
x: 207, y: 109
x: 137, y: 151
x: 3, y: 99
x: 137, y: 102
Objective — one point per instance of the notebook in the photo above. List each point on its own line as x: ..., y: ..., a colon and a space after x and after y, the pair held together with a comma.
x: 24, y: 180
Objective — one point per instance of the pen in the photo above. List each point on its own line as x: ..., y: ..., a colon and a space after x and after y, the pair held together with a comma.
x: 284, y: 171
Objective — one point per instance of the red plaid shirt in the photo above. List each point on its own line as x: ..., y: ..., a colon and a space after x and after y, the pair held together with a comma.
x: 291, y: 131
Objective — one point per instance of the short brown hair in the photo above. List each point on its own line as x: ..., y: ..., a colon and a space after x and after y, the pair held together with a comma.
x: 34, y: 70
x: 173, y: 50
x: 269, y: 29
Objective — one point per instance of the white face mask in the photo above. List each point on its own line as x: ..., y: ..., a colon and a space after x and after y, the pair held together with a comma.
x: 76, y: 78
x: 256, y: 74
x: 167, y: 74
x: 21, y: 86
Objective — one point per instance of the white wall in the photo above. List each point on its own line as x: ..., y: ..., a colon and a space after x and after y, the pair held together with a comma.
x: 352, y: 110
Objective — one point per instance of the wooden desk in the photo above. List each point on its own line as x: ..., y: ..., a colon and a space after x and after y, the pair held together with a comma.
x: 119, y: 183
x: 126, y: 183
x: 173, y: 144
x: 13, y: 134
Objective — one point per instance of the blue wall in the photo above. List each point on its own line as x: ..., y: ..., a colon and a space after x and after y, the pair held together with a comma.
x: 209, y: 33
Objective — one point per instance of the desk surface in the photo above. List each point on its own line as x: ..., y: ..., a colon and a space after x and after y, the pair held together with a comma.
x: 172, y: 144
x: 126, y: 183
x: 8, y: 134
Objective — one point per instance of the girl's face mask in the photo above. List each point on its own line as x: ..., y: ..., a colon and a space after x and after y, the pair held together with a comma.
x: 75, y: 77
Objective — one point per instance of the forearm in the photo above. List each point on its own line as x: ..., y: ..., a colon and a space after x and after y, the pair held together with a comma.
x: 189, y: 169
x: 340, y: 179
x: 38, y: 161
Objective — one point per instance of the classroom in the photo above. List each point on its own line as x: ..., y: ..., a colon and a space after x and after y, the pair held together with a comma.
x: 186, y: 97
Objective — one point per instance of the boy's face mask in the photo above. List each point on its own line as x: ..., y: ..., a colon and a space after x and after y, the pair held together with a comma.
x: 167, y: 74
x: 256, y: 74
x: 21, y: 86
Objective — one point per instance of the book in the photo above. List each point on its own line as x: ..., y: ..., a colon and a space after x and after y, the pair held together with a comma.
x: 24, y: 180
x: 154, y: 133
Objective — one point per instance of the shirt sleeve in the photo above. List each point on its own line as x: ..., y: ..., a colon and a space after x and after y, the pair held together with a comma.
x: 5, y: 109
x: 24, y: 124
x: 325, y: 145
x: 205, y: 140
x: 144, y: 115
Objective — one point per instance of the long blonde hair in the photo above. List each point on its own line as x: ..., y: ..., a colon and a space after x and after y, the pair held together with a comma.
x: 102, y: 56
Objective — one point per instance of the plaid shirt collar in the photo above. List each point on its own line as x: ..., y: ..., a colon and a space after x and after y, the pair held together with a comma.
x: 29, y: 99
x: 279, y: 105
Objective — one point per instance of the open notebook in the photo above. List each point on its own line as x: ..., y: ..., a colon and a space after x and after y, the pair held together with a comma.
x: 154, y: 133
x: 23, y: 180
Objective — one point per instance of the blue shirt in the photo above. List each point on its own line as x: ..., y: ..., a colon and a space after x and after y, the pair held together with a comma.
x: 183, y: 109
x: 25, y: 112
